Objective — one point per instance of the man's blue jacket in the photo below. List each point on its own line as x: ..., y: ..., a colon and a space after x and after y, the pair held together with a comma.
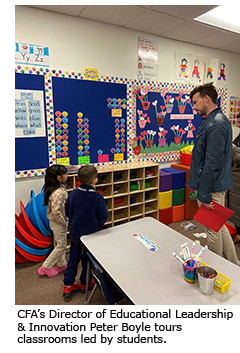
x: 211, y: 169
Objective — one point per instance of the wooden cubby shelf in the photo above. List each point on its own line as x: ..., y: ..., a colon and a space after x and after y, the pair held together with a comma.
x: 131, y: 191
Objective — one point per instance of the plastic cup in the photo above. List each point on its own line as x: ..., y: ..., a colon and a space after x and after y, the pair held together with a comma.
x: 189, y: 274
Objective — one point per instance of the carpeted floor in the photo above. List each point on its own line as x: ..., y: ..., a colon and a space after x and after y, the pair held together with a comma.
x: 32, y: 289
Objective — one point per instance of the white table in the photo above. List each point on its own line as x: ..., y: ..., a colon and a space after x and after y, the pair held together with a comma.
x: 156, y: 278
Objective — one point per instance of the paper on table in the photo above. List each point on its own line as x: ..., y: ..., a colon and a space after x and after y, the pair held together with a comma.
x: 213, y: 219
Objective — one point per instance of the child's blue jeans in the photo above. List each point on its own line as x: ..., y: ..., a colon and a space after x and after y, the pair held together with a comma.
x: 77, y: 253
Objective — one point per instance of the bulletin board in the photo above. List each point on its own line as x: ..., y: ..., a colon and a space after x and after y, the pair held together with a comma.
x: 85, y: 121
x: 163, y: 120
x: 31, y: 151
x: 104, y: 122
x: 90, y: 121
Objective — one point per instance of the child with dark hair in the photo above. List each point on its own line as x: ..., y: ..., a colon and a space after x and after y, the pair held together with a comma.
x: 87, y: 213
x: 55, y: 196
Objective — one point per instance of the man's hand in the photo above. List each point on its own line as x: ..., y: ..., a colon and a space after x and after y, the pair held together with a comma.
x: 210, y: 205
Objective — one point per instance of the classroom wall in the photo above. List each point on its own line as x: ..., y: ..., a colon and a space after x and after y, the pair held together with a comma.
x: 76, y: 43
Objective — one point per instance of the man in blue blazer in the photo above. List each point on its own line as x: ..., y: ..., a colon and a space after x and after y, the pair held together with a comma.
x: 211, y: 170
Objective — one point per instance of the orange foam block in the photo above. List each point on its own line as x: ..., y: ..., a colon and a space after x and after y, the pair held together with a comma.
x: 165, y: 215
x: 178, y: 213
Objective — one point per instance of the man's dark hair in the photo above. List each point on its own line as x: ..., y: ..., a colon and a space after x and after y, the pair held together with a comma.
x: 87, y: 174
x: 206, y: 89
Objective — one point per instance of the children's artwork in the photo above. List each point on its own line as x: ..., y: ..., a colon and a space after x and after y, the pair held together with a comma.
x: 234, y: 110
x: 182, y: 67
x: 165, y: 121
x: 147, y: 59
x: 222, y: 73
x: 29, y: 113
x: 211, y: 70
x: 197, y: 70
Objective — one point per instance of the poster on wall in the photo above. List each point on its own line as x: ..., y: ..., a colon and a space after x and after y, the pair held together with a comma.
x: 147, y: 59
x: 222, y: 77
x: 197, y: 70
x: 29, y: 113
x: 211, y: 71
x: 29, y: 54
x: 183, y: 63
x: 234, y: 110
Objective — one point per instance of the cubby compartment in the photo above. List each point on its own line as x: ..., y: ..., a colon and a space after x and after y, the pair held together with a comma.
x: 120, y: 188
x: 120, y: 176
x: 151, y: 171
x: 135, y: 186
x: 151, y: 206
x: 108, y: 201
x: 109, y: 220
x: 136, y: 173
x: 136, y: 210
x: 153, y: 214
x: 71, y: 182
x: 136, y: 198
x: 151, y: 183
x: 151, y: 195
x: 120, y: 201
x: 120, y: 214
x: 105, y: 190
x: 104, y: 178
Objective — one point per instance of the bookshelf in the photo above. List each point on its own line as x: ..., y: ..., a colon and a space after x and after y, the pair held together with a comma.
x: 131, y: 191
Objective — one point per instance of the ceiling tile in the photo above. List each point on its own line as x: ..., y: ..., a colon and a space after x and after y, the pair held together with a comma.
x: 117, y: 14
x: 72, y: 10
x: 233, y: 47
x: 190, y: 32
x: 218, y: 39
x: 183, y: 11
x: 154, y: 22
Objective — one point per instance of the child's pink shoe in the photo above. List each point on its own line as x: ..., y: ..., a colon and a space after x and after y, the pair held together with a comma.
x: 61, y: 268
x: 51, y: 272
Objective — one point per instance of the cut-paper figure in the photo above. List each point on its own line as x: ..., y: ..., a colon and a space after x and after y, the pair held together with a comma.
x: 183, y: 68
x: 211, y: 72
x: 195, y: 72
x: 222, y: 72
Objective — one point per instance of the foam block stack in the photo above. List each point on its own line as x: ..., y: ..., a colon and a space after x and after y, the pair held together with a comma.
x: 165, y: 197
x: 176, y: 193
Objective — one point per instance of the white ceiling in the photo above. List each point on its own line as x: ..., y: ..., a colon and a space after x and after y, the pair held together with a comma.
x: 168, y: 21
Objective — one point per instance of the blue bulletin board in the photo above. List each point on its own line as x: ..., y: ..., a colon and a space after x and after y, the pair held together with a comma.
x: 90, y: 121
x: 31, y: 152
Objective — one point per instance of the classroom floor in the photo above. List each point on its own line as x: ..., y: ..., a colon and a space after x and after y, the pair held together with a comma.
x: 32, y: 289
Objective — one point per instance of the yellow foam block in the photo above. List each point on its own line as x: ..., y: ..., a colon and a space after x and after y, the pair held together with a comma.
x: 165, y: 199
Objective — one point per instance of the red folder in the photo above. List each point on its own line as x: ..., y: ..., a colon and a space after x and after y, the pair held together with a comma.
x: 213, y: 219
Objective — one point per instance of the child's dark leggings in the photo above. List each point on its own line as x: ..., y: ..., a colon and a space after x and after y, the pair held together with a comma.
x: 77, y: 253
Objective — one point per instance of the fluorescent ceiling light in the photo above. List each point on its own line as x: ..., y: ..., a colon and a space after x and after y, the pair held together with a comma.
x: 224, y: 16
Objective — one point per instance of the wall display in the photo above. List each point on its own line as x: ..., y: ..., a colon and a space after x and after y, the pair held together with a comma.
x: 222, y: 73
x: 29, y: 54
x: 211, y: 71
x: 163, y: 121
x: 85, y: 120
x: 105, y: 122
x: 234, y: 109
x: 147, y: 59
x: 29, y: 113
